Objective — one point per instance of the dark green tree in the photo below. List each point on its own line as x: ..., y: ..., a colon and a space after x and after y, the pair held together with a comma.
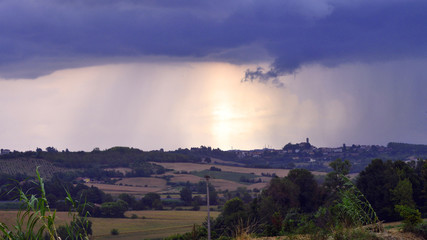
x: 186, y: 195
x: 308, y: 196
x: 423, y: 193
x: 376, y: 183
x: 402, y: 194
x: 149, y: 199
x: 234, y: 212
x: 333, y: 181
x: 129, y: 199
x: 113, y: 209
x: 276, y: 200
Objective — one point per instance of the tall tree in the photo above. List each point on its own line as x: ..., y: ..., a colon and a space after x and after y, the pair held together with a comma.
x: 333, y: 179
x: 308, y: 189
x: 402, y: 194
x: 375, y: 182
x: 186, y: 195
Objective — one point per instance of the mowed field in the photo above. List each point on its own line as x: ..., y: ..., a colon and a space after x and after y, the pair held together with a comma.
x: 219, y: 184
x: 156, y: 224
x: 137, y: 189
x: 200, y: 167
x: 143, y: 182
x: 136, y: 186
x: 9, y: 217
x: 142, y: 185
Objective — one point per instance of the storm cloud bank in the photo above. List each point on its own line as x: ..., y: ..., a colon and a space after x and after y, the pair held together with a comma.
x: 38, y: 37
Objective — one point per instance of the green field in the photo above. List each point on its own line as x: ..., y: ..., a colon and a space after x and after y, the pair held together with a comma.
x: 231, y: 176
x: 154, y: 225
x: 9, y: 205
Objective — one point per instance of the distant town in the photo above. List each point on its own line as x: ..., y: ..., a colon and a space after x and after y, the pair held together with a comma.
x: 298, y: 155
x: 305, y: 155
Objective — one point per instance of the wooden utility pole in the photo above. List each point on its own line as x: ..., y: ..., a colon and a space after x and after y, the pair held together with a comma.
x: 207, y: 204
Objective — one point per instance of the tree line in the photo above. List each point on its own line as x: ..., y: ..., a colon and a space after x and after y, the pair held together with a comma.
x: 298, y: 204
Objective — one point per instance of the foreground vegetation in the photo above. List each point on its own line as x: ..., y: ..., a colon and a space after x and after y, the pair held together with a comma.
x: 36, y: 220
x: 148, y: 224
x: 294, y: 205
x: 297, y: 205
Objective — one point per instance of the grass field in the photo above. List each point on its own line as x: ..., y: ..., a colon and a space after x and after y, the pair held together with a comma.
x: 185, y: 178
x: 9, y: 217
x: 231, y: 176
x: 200, y: 167
x: 219, y: 184
x: 143, y: 182
x: 121, y: 169
x: 155, y: 225
x: 118, y: 189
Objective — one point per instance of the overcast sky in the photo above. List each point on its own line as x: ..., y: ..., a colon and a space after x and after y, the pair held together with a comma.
x: 237, y: 74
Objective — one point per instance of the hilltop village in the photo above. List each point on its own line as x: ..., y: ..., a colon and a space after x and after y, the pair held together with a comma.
x: 308, y: 152
x: 305, y: 155
x: 298, y: 155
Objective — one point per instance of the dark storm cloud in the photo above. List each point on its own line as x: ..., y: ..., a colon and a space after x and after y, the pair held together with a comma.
x: 37, y: 37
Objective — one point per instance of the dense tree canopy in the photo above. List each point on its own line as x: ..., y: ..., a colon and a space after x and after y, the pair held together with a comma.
x: 386, y: 184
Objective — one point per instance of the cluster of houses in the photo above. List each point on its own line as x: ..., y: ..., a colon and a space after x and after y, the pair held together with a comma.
x: 4, y: 151
x: 305, y: 150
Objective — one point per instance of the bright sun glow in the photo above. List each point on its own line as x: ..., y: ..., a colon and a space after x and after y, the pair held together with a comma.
x: 229, y: 113
x: 223, y: 126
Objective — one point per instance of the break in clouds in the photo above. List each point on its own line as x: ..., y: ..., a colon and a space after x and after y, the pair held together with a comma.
x: 39, y: 37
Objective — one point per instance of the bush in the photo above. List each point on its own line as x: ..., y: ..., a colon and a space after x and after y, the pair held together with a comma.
x: 114, y: 231
x: 113, y: 209
x: 354, y: 234
x: 215, y: 169
x: 198, y: 232
x: 411, y: 217
x: 421, y: 230
x: 134, y: 216
x: 78, y: 227
x: 196, y: 208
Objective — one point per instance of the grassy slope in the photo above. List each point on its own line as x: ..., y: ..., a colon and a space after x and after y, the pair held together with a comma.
x: 157, y: 224
x: 200, y: 167
x: 28, y: 167
x: 231, y: 176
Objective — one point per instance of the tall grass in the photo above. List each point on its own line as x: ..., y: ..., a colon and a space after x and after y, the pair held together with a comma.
x: 35, y: 219
x: 353, y: 208
x: 244, y: 231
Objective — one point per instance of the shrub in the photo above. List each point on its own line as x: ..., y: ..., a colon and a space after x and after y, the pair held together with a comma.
x: 113, y: 209
x: 77, y: 228
x: 411, y: 217
x: 114, y: 231
x: 354, y: 234
x: 421, y: 230
x: 215, y: 169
